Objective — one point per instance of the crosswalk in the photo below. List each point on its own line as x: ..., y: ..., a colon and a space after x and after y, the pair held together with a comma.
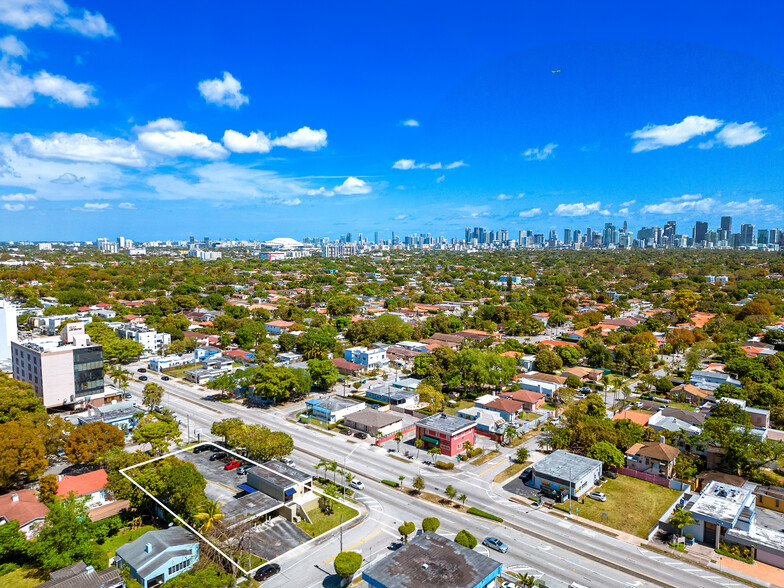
x: 688, y: 568
x: 370, y: 502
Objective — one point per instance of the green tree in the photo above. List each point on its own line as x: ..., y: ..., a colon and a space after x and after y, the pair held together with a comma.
x: 207, y: 577
x: 230, y: 429
x: 64, y: 538
x: 450, y: 492
x: 209, y: 514
x: 607, y: 453
x: 120, y: 376
x: 88, y: 442
x: 430, y: 524
x: 522, y: 455
x: 17, y: 399
x: 22, y: 454
x: 547, y: 361
x: 681, y: 518
x: 465, y: 539
x: 342, y: 305
x: 405, y: 530
x: 462, y: 498
x: 419, y: 483
x: 13, y: 544
x: 435, y: 400
x: 347, y: 563
x: 158, y: 431
x: 152, y: 394
x: 225, y: 383
x: 47, y: 489
x: 287, y: 341
x: 323, y: 373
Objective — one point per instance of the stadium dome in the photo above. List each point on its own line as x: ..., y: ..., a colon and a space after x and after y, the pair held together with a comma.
x: 283, y: 243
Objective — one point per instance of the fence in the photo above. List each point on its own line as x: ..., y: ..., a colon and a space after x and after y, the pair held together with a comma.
x: 653, y: 479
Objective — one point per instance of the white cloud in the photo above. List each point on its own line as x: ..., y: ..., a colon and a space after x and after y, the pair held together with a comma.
x: 256, y: 142
x: 410, y: 123
x: 537, y: 154
x: 321, y: 192
x: 127, y: 206
x: 13, y: 47
x: 470, y: 211
x: 628, y: 203
x: 79, y: 147
x: 26, y: 14
x: 225, y: 92
x: 306, y: 139
x: 658, y: 136
x: 737, y: 135
x: 67, y: 178
x: 352, y: 186
x: 93, y: 207
x: 687, y: 197
x: 292, y: 202
x: 696, y: 204
x: 412, y: 164
x: 530, y: 212
x: 510, y: 196
x: 17, y: 89
x: 400, y: 217
x: 18, y: 197
x: 623, y: 211
x: 89, y: 24
x: 14, y: 207
x: 440, y: 179
x: 580, y: 209
x: 166, y: 136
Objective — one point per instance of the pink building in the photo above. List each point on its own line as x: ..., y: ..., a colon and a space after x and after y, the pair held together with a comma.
x: 447, y: 432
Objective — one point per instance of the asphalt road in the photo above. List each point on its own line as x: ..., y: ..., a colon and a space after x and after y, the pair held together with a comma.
x: 539, y: 543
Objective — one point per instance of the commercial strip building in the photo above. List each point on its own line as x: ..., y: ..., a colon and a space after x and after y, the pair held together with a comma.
x: 64, y: 371
x: 447, y: 432
x: 432, y: 561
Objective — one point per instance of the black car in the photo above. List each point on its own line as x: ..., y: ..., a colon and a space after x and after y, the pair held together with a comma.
x: 143, y: 378
x: 165, y: 378
x: 141, y: 370
x: 266, y: 571
x: 216, y: 456
x: 610, y: 474
x: 201, y: 448
x: 346, y: 432
x: 360, y: 435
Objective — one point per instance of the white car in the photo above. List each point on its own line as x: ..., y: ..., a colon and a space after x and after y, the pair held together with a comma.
x: 357, y: 484
x: 600, y: 496
x: 287, y: 460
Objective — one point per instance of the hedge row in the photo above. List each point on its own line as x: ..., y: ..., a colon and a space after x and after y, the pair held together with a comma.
x: 445, y: 465
x: 487, y: 515
x: 390, y: 483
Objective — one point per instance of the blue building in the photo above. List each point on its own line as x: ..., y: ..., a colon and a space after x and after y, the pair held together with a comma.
x: 158, y: 556
x: 435, y: 562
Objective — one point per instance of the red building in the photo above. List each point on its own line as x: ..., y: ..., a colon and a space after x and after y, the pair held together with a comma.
x: 448, y: 433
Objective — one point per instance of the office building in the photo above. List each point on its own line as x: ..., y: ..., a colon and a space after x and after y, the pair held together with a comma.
x: 746, y: 235
x: 700, y: 228
x: 726, y: 224
x: 66, y: 370
x: 8, y: 330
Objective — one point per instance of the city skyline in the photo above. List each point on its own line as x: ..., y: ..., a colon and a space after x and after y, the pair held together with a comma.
x: 242, y: 139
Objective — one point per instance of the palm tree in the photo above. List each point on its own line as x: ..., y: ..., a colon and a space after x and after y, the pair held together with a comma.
x: 400, y: 479
x: 119, y: 376
x: 681, y: 518
x: 398, y: 438
x: 523, y: 580
x: 209, y: 515
x: 321, y: 464
x: 462, y: 498
x: 347, y: 476
x: 332, y: 467
x: 418, y: 443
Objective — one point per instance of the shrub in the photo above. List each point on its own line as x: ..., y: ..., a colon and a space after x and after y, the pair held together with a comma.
x: 431, y: 524
x: 487, y: 515
x: 445, y: 465
x: 390, y: 483
x: 474, y: 452
x: 347, y: 563
x: 465, y: 539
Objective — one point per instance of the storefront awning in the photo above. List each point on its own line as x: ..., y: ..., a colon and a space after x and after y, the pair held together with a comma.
x: 429, y: 439
x: 290, y: 492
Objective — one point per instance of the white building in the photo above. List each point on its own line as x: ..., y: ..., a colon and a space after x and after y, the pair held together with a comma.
x: 8, y: 330
x: 368, y: 358
x: 150, y: 339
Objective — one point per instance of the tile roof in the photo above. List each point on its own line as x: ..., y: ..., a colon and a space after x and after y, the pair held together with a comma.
x: 660, y: 451
x: 634, y: 416
x: 25, y: 510
x: 82, y: 484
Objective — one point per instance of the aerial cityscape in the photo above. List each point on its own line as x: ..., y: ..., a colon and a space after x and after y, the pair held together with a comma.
x: 391, y: 295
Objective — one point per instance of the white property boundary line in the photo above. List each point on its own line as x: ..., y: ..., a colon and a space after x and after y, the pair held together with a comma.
x: 194, y: 531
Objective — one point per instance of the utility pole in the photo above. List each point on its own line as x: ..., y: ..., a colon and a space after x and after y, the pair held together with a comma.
x: 341, y: 533
x: 570, y: 490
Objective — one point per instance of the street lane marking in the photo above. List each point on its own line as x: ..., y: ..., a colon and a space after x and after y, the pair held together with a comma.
x: 505, y: 460
x: 355, y: 544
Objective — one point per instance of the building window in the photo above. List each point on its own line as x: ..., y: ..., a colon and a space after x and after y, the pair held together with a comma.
x: 178, y: 567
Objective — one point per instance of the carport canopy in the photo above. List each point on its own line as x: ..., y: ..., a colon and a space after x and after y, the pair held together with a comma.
x: 248, y: 488
x: 430, y: 439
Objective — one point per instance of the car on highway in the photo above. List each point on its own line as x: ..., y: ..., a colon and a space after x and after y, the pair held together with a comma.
x: 141, y: 370
x: 357, y: 484
x: 288, y: 461
x: 266, y: 571
x: 217, y: 455
x: 232, y: 465
x: 143, y: 378
x: 494, y: 543
x: 128, y: 395
x: 165, y: 378
x: 600, y: 496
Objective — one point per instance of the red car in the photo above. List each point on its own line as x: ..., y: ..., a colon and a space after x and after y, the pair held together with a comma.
x: 232, y: 465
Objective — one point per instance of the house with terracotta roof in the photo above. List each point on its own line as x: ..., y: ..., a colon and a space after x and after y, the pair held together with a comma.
x: 23, y: 506
x: 346, y: 367
x: 692, y: 394
x: 635, y: 416
x: 700, y: 319
x: 90, y: 486
x: 529, y: 399
x: 506, y: 407
x: 652, y: 458
x: 585, y: 374
x: 278, y: 327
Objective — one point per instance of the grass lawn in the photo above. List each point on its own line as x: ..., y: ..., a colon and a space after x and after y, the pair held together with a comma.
x: 461, y: 404
x: 179, y: 371
x: 528, y: 416
x: 512, y: 470
x: 632, y: 506
x: 484, y: 458
x: 125, y: 536
x: 21, y: 578
x: 681, y: 405
x: 548, y: 406
x: 323, y: 523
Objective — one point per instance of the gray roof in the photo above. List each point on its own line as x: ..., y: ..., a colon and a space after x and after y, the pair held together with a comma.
x: 689, y: 416
x: 136, y: 556
x: 371, y: 417
x: 248, y: 506
x: 80, y: 575
x: 333, y: 404
x: 433, y: 561
x: 445, y: 423
x: 566, y: 466
x: 279, y: 474
x: 387, y: 391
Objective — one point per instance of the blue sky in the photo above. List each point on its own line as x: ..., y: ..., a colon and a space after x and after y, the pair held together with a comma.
x: 254, y: 120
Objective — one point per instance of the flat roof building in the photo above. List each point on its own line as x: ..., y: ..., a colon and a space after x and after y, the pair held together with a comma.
x: 447, y: 432
x: 565, y: 471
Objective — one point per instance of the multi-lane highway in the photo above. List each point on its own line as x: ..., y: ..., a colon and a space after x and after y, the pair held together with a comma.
x: 540, y: 543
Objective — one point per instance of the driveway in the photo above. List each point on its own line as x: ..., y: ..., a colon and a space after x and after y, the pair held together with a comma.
x: 273, y: 538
